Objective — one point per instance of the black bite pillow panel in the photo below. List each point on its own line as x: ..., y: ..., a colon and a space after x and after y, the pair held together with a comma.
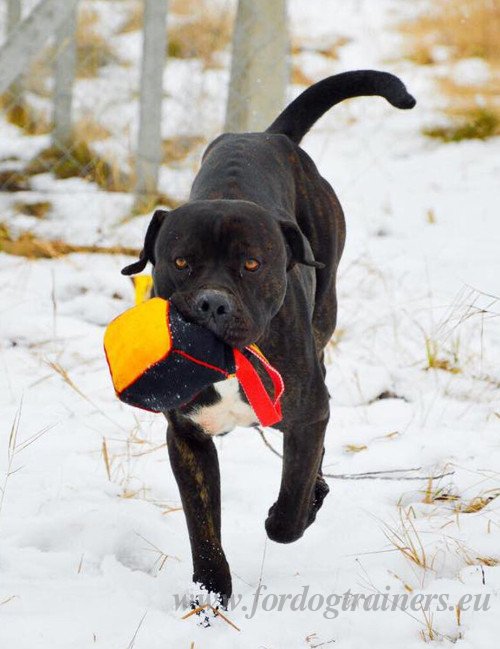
x: 158, y: 361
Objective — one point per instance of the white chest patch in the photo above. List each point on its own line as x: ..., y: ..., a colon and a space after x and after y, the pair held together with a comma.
x: 226, y: 414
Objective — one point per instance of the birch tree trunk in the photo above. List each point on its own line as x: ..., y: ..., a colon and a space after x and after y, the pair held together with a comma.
x: 14, y: 12
x: 259, y: 65
x: 30, y: 36
x: 64, y: 77
x: 149, y: 146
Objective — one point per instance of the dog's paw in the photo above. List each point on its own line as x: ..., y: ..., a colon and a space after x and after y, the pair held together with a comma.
x: 213, y: 576
x: 206, y: 606
x: 281, y: 528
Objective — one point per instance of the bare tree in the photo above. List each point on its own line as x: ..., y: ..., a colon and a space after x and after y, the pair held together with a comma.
x: 259, y: 66
x: 30, y: 36
x: 65, y: 63
x: 149, y: 147
x: 14, y: 13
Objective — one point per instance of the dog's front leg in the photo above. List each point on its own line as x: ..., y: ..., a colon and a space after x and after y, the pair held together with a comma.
x: 194, y: 461
x: 302, y: 487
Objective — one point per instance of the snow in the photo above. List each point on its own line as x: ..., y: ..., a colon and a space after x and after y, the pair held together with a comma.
x: 88, y: 559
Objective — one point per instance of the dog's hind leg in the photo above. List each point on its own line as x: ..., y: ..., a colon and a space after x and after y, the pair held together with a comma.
x: 194, y: 461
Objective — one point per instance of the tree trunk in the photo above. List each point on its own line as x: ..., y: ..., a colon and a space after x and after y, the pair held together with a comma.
x: 149, y: 147
x: 65, y: 41
x: 30, y: 36
x: 259, y: 66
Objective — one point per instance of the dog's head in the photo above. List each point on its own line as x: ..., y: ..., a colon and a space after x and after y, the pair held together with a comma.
x: 223, y: 264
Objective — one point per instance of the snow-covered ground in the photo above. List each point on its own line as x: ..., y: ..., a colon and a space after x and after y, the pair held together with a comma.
x: 93, y: 543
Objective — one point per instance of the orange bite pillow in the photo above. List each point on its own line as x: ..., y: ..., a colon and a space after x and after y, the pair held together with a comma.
x: 158, y: 361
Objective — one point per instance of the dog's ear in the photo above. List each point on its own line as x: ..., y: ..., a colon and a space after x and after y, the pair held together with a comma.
x: 296, y: 246
x: 147, y: 253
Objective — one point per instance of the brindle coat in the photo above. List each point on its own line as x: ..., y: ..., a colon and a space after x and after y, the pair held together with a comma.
x: 259, y: 196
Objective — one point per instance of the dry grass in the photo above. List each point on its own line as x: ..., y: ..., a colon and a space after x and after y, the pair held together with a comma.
x: 439, y: 360
x: 133, y: 21
x: 478, y: 503
x: 429, y: 633
x: 355, y: 448
x: 439, y: 494
x: 77, y: 159
x: 430, y: 216
x: 471, y: 558
x: 87, y: 129
x: 474, y: 123
x: 14, y: 180
x: 38, y: 209
x: 93, y: 50
x: 11, y: 451
x: 176, y: 149
x: 14, y: 447
x: 473, y: 110
x: 407, y: 541
x: 37, y: 78
x: 17, y: 111
x: 460, y: 29
x: 299, y: 77
x: 491, y: 562
x: 467, y: 28
x: 199, y: 30
x: 201, y: 35
x: 161, y: 556
x: 27, y: 245
x: 105, y: 457
x: 329, y: 49
x: 121, y: 461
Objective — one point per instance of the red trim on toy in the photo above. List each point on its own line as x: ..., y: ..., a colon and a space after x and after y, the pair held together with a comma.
x: 197, y: 360
x: 268, y: 410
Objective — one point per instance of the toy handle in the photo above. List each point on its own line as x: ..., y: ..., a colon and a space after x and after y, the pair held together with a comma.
x: 268, y: 410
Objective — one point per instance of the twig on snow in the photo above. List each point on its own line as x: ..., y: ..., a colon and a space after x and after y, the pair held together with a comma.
x: 368, y: 475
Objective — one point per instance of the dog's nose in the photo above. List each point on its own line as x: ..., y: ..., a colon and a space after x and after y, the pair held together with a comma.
x: 216, y: 304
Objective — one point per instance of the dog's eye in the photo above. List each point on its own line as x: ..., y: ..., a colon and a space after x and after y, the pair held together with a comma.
x: 252, y: 265
x: 180, y: 263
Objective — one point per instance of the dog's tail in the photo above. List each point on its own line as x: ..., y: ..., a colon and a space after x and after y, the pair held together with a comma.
x: 302, y: 113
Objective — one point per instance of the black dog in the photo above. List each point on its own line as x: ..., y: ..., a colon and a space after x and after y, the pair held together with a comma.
x: 253, y: 256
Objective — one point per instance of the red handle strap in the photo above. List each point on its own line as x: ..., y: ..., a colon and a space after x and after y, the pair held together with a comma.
x: 268, y: 410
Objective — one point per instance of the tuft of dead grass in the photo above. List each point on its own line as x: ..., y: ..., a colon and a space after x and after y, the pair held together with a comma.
x: 329, y: 49
x: 466, y: 28
x: 17, y: 111
x: 407, y: 541
x: 77, y: 159
x: 134, y: 19
x: 27, y: 245
x: 87, y: 129
x: 478, y: 503
x: 474, y: 123
x: 454, y: 30
x: 439, y: 494
x: 38, y: 209
x: 438, y: 360
x: 37, y: 78
x: 93, y: 50
x: 355, y: 448
x: 200, y: 34
x: 299, y: 77
x: 176, y: 149
x: 14, y: 180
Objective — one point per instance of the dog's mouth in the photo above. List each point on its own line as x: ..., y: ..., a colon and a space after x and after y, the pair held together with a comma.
x: 233, y: 327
